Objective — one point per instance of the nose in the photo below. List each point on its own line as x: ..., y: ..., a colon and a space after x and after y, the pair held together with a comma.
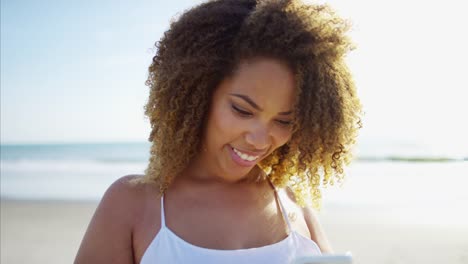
x: 259, y: 137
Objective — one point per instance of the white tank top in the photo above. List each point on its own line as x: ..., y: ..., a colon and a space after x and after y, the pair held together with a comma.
x: 167, y: 247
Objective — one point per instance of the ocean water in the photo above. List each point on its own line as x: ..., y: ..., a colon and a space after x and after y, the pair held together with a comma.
x: 67, y: 171
x: 392, y: 177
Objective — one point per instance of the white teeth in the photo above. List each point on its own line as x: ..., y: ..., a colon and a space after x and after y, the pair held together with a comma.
x: 244, y: 156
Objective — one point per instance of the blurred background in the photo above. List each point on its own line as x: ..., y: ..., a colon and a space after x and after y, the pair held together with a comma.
x: 72, y: 97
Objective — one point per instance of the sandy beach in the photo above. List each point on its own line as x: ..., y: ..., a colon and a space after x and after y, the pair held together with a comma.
x: 51, y: 231
x: 42, y: 231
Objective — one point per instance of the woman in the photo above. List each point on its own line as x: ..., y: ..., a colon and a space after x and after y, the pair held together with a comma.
x: 252, y: 109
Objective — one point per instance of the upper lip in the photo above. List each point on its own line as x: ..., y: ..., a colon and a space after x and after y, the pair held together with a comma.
x: 253, y: 153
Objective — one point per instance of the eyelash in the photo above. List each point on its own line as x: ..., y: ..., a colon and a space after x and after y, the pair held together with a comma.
x: 241, y: 112
x: 248, y: 114
x: 284, y: 123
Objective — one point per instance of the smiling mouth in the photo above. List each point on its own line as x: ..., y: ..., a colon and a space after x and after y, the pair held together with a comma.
x: 244, y: 156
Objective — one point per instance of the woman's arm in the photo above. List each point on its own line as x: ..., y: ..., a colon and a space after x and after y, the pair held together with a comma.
x: 316, y: 230
x: 108, y: 238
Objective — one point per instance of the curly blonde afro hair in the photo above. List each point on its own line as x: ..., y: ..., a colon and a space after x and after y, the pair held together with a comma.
x: 206, y: 44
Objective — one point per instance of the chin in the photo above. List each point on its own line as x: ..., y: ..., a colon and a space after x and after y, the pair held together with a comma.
x: 243, y: 175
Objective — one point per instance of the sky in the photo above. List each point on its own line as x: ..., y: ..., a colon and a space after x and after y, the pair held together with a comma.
x: 74, y: 71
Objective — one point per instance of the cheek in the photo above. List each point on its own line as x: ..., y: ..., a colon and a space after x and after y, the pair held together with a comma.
x: 222, y: 125
x: 282, y: 136
x: 223, y: 121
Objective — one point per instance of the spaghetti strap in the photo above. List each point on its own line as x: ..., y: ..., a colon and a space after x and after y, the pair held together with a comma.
x: 163, y: 221
x: 283, y: 211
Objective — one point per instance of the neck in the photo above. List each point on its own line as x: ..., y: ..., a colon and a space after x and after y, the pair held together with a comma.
x: 197, y: 173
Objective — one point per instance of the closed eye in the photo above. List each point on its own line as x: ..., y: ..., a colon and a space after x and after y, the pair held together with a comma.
x: 241, y: 112
x: 284, y: 123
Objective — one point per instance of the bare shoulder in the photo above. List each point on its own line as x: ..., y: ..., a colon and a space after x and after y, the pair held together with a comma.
x: 123, y: 198
x: 108, y: 238
x: 128, y: 188
x: 312, y: 221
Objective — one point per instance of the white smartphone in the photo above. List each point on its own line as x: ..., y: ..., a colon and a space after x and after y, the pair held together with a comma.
x: 325, y: 259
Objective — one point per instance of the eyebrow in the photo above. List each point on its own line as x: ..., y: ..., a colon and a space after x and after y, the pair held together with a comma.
x: 254, y: 105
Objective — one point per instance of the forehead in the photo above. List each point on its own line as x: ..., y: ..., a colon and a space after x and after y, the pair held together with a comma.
x: 268, y: 82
